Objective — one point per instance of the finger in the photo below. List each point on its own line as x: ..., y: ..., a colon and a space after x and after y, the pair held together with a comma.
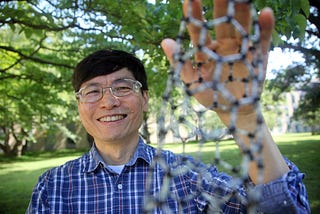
x: 242, y: 15
x: 170, y: 47
x: 196, y: 12
x: 224, y: 30
x: 193, y: 8
x: 266, y: 22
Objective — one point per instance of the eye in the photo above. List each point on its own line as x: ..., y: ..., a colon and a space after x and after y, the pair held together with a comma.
x: 122, y: 85
x: 91, y: 91
x: 122, y: 88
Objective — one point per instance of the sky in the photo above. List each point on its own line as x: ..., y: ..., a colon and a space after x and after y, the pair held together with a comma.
x: 279, y: 59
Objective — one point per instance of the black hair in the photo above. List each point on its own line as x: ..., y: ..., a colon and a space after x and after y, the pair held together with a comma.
x: 107, y: 61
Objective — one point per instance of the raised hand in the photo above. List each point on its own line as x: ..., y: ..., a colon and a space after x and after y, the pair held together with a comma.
x: 228, y: 41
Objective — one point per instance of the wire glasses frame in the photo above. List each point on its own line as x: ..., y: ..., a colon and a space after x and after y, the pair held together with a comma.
x: 119, y: 88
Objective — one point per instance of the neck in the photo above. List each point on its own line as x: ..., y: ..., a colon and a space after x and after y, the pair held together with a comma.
x: 117, y: 153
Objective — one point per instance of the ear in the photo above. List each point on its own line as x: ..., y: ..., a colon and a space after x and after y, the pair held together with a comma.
x: 145, y: 97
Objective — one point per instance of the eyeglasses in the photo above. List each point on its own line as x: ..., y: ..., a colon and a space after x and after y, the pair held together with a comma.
x: 119, y: 88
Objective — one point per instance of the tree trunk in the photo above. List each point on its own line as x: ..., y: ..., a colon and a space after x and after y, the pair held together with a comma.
x: 315, y: 130
x: 12, y: 146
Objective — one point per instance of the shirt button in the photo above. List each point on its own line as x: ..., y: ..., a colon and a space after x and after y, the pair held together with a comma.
x: 119, y: 186
x: 285, y: 202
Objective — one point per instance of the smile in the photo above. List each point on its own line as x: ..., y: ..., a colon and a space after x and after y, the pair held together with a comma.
x: 112, y: 118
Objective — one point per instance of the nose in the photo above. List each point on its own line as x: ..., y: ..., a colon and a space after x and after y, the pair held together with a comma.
x: 108, y: 100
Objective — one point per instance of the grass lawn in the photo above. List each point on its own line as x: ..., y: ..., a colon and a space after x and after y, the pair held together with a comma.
x: 18, y: 176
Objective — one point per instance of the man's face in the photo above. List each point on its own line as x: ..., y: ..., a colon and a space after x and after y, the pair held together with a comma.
x: 112, y: 119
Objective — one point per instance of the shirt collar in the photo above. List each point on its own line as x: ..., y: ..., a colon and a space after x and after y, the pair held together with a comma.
x: 143, y: 151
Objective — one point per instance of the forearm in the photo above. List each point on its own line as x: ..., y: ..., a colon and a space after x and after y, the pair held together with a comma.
x: 274, y: 166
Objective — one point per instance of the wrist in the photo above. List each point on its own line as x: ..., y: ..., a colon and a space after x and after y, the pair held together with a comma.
x: 248, y: 122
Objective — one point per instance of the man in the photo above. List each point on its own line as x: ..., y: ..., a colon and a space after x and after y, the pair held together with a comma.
x: 118, y: 174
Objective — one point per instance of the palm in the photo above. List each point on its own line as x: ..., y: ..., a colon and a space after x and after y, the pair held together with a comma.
x: 227, y: 42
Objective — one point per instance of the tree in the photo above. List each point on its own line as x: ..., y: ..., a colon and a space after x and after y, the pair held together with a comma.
x: 303, y: 75
x: 41, y: 41
x: 309, y: 108
x: 30, y: 93
x: 270, y: 106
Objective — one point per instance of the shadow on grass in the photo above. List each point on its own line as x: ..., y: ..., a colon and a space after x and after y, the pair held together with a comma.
x: 19, y: 175
x: 16, y: 188
x: 38, y: 156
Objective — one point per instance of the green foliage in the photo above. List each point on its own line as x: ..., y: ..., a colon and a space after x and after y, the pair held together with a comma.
x: 309, y: 108
x: 41, y: 42
x: 287, y: 79
x: 299, y: 27
x: 270, y: 103
x: 289, y: 20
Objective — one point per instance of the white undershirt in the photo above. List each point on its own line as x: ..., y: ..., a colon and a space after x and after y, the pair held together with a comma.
x: 117, y: 168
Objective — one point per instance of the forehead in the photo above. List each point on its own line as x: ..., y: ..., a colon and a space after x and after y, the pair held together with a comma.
x: 110, y: 78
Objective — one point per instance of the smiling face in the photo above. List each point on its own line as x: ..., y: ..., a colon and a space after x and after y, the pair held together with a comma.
x: 114, y: 119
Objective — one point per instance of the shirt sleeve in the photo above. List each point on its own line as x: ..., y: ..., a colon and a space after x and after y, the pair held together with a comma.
x: 287, y: 194
x: 39, y: 202
x: 220, y: 193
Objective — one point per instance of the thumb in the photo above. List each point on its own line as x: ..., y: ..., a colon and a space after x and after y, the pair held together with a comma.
x: 169, y: 47
x: 266, y: 21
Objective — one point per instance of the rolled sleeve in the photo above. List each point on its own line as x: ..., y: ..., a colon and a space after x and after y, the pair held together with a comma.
x: 287, y: 193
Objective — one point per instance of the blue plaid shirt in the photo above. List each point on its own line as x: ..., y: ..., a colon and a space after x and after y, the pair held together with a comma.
x: 88, y: 185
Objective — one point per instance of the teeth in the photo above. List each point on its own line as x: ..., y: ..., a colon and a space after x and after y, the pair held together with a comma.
x: 111, y: 118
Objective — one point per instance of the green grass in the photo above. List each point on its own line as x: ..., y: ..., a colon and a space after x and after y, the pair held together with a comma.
x: 19, y: 175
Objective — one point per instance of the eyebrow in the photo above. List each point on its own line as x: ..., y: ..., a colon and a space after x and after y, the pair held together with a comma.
x: 96, y: 83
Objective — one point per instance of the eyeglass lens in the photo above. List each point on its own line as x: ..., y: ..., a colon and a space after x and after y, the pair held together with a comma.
x: 119, y: 88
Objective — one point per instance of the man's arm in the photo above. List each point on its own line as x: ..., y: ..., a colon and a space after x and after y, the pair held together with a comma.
x: 38, y: 202
x: 226, y: 43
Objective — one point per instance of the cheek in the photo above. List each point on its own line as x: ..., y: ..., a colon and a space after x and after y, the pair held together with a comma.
x: 84, y: 113
x: 137, y: 111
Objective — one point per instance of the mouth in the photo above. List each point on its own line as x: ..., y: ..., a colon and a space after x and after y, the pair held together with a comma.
x: 112, y: 118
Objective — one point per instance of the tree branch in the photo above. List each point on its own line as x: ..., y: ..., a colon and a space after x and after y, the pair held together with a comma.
x: 39, y: 26
x: 315, y: 3
x: 311, y: 51
x: 315, y: 20
x: 34, y: 59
